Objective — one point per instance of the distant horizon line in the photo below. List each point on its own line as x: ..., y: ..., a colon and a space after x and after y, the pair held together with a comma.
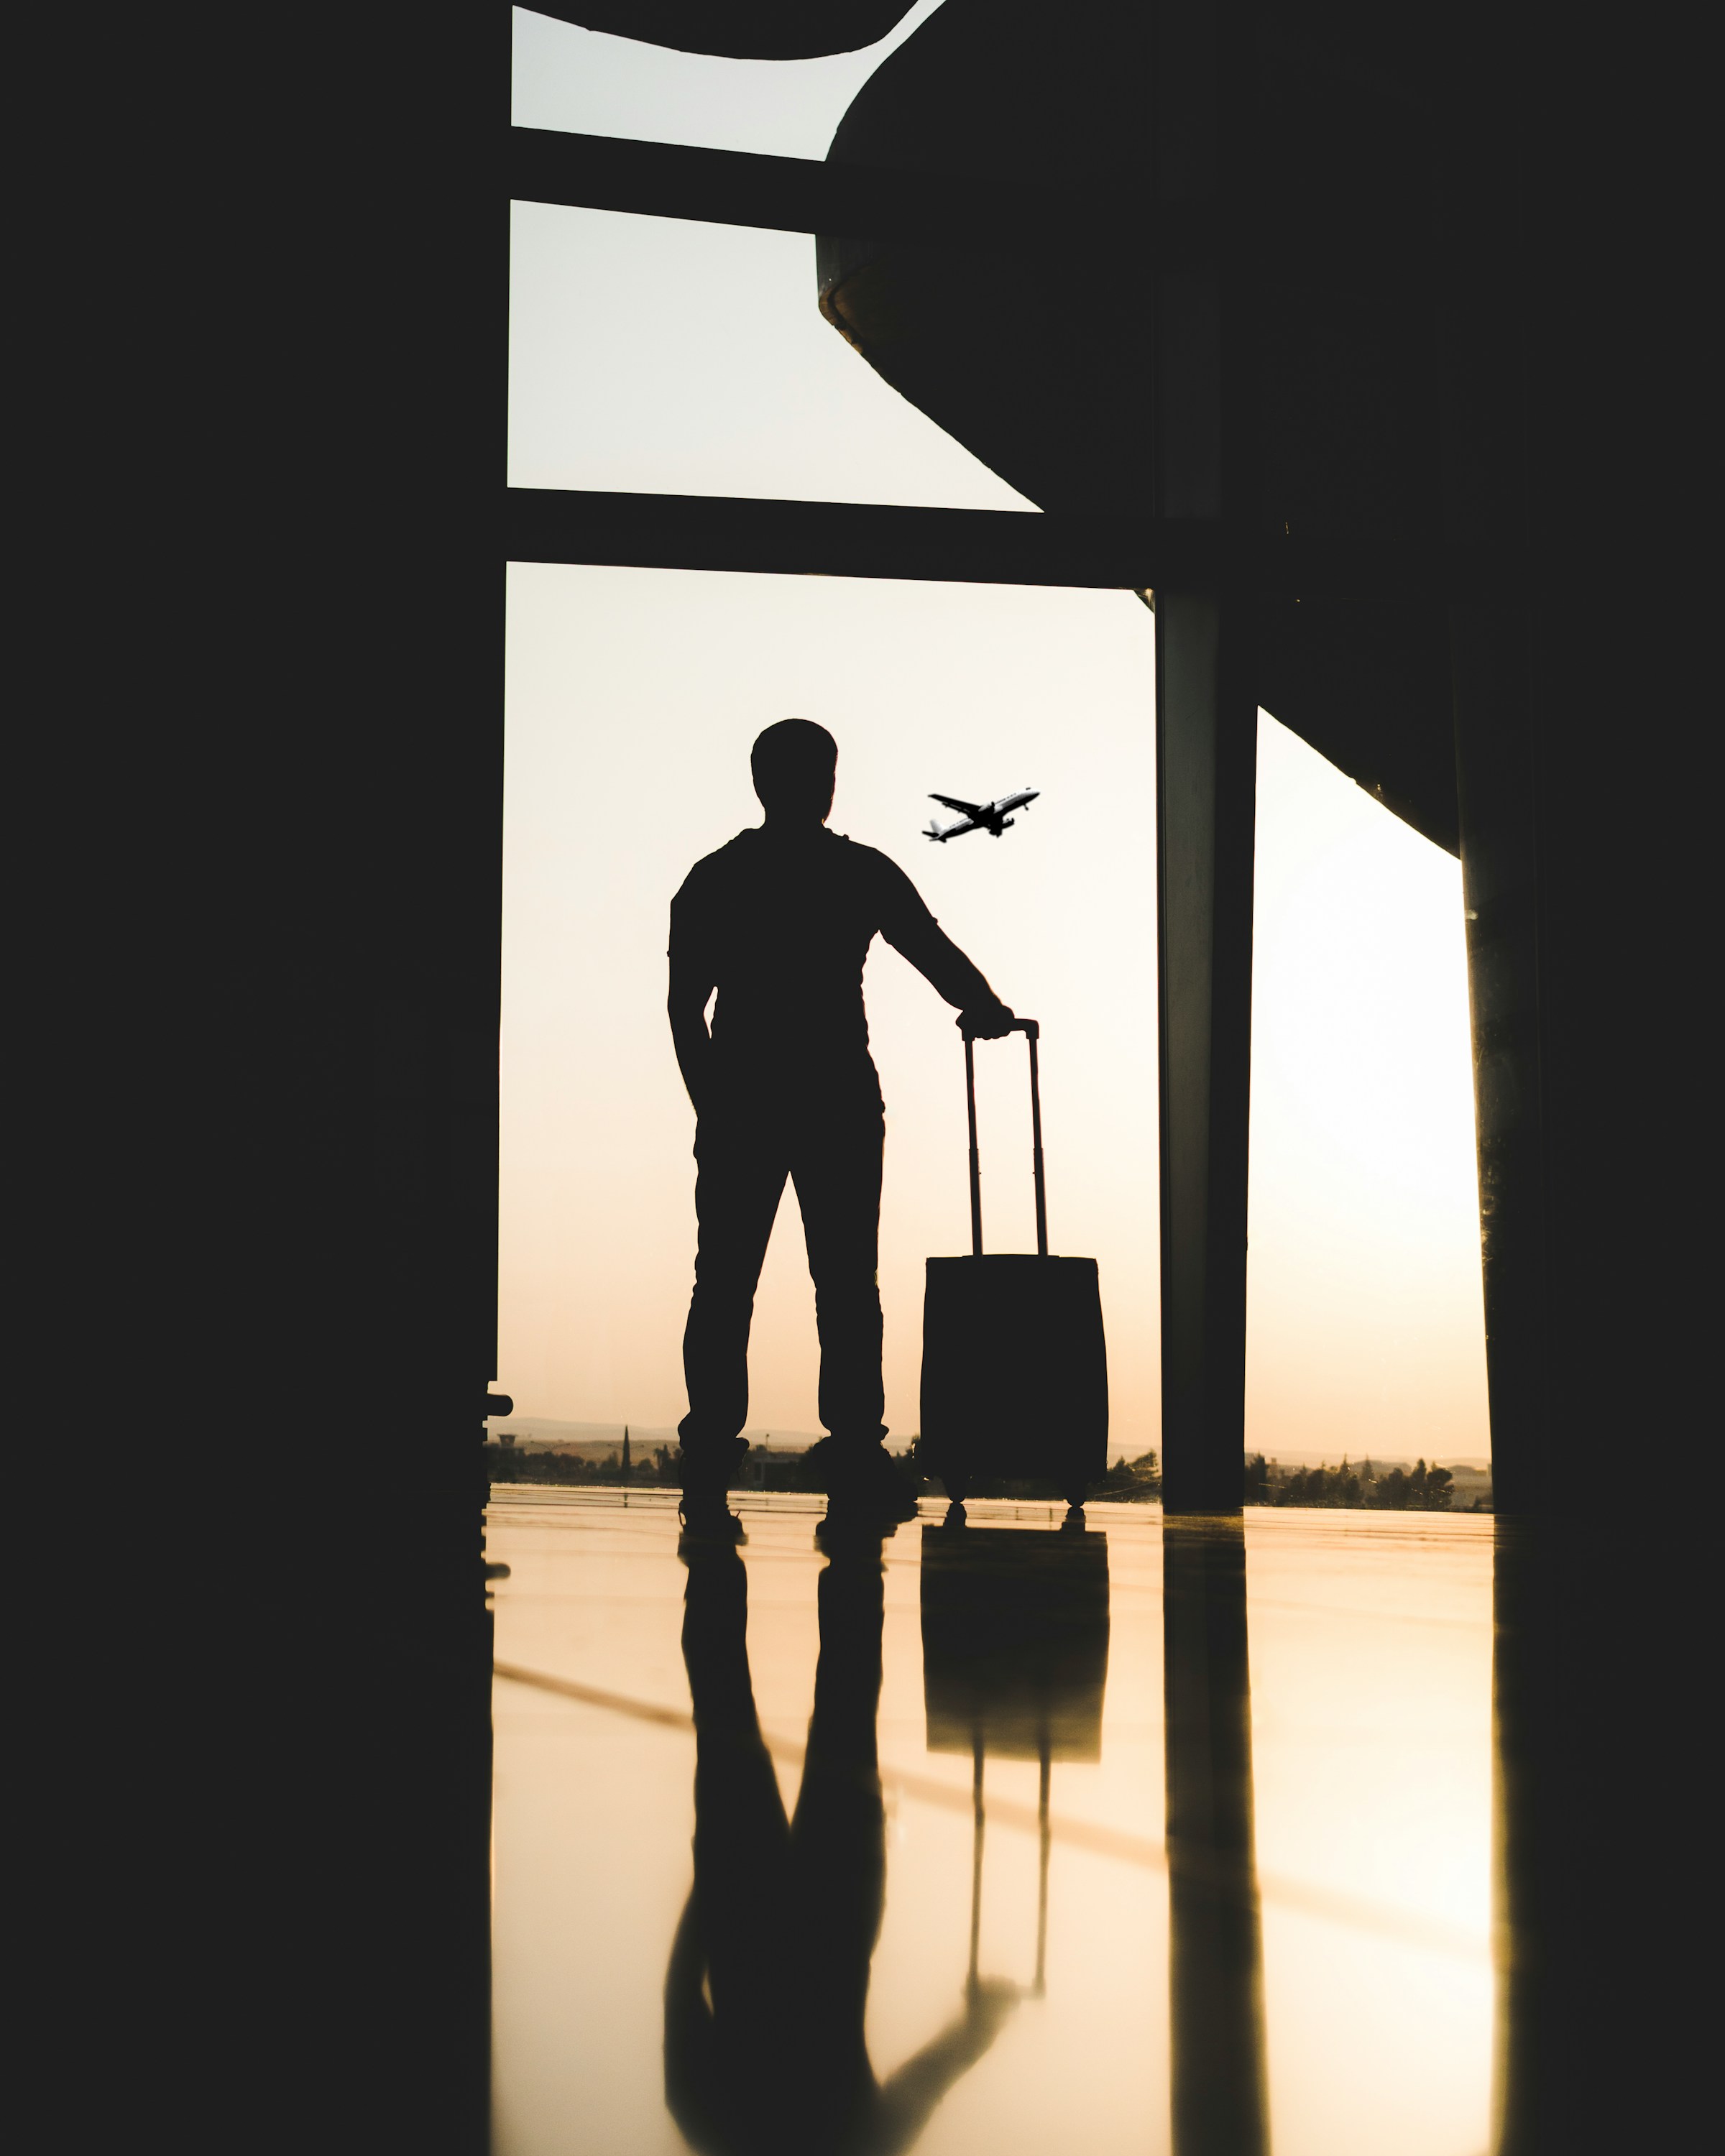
x: 555, y: 1428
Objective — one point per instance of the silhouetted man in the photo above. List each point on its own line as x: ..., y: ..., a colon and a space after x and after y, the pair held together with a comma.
x: 779, y: 921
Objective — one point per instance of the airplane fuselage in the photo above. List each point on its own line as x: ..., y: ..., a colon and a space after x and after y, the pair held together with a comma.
x: 992, y: 817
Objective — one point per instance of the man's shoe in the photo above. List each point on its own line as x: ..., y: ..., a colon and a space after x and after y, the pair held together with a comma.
x: 866, y: 1487
x: 850, y: 1534
x: 708, y: 1522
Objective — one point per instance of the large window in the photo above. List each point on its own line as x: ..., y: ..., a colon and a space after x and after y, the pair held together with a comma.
x: 656, y: 354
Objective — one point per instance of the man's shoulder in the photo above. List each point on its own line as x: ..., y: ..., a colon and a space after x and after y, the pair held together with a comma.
x: 866, y: 861
x: 882, y: 876
x: 718, y: 867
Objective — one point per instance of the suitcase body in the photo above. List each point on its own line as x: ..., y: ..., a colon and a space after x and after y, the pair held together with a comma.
x: 1014, y: 1366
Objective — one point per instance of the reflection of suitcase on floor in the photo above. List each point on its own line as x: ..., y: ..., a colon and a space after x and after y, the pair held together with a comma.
x: 1015, y: 1369
x: 1014, y: 1662
x: 1014, y: 1641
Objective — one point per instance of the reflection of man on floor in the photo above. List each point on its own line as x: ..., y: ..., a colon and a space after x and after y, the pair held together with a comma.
x: 768, y: 1982
x: 779, y: 921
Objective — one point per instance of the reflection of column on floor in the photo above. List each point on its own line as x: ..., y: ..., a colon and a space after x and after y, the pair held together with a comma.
x: 1216, y: 2003
x: 1603, y: 1795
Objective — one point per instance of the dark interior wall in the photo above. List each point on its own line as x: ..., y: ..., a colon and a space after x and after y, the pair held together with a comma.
x: 275, y: 697
x: 373, y: 1093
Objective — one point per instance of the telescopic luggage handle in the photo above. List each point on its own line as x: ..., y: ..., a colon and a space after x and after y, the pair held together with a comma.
x: 1031, y: 1031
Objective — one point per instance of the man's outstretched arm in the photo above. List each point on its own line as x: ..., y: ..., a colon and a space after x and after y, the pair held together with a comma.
x: 908, y: 2099
x: 914, y: 931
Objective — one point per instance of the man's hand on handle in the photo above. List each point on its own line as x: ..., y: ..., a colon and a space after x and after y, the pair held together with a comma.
x: 986, y: 1022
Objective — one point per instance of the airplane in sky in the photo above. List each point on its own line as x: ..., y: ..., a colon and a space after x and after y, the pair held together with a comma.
x: 992, y: 817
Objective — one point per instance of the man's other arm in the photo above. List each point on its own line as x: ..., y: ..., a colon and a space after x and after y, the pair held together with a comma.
x: 912, y: 930
x: 691, y: 985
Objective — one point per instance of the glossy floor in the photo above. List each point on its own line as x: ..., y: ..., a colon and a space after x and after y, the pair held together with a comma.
x: 1303, y: 1835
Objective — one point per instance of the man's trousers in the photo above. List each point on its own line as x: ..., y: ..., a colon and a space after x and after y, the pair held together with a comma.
x: 831, y: 1152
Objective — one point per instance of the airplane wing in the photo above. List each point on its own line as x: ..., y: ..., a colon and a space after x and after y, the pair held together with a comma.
x: 964, y: 807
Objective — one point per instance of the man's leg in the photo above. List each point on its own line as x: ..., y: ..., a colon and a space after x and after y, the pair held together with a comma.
x: 837, y: 1168
x: 740, y: 1179
x: 835, y: 1165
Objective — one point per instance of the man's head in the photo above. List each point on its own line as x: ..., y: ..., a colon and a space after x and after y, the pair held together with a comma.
x: 793, y: 764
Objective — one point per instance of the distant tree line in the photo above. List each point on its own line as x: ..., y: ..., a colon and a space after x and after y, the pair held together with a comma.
x: 512, y: 1464
x: 1418, y: 1488
x: 1130, y: 1481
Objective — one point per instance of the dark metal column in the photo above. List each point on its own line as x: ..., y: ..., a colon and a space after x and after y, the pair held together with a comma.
x: 1482, y: 302
x: 1206, y: 726
x: 1500, y: 882
x: 1575, y: 736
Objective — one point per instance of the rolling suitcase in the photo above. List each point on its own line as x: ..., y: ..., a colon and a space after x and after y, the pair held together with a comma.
x: 1015, y: 1369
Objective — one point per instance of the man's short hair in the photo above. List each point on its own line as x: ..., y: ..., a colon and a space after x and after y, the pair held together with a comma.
x: 794, y: 763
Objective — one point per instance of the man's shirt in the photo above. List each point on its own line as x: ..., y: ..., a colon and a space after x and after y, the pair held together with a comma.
x: 781, y: 925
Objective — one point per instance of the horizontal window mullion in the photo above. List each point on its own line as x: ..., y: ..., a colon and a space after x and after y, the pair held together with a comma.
x: 801, y: 194
x: 966, y: 546
x: 845, y: 539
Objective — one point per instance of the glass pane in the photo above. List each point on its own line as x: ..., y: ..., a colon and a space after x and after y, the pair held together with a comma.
x: 634, y: 698
x: 583, y: 83
x: 653, y: 355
